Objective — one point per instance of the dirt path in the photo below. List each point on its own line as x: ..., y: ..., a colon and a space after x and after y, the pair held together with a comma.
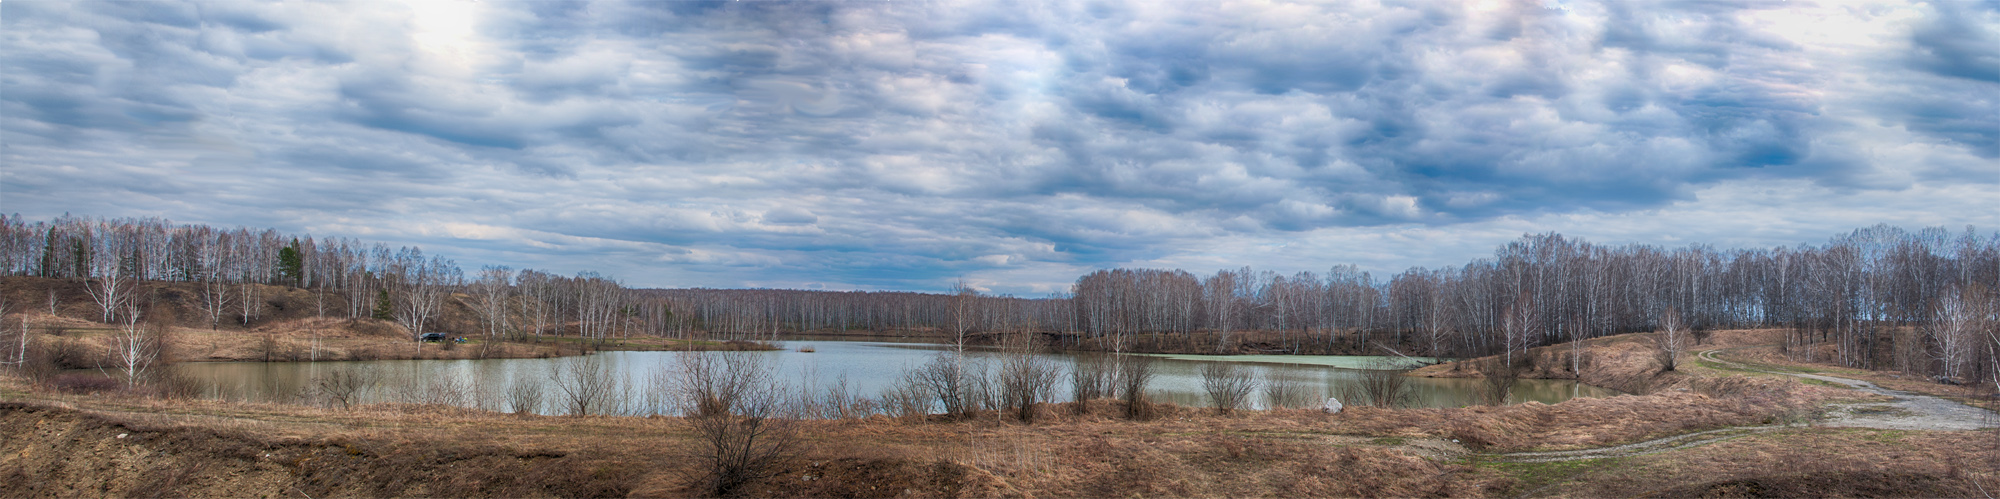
x: 1905, y: 411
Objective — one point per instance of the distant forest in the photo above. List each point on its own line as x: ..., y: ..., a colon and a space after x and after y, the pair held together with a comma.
x: 1881, y: 297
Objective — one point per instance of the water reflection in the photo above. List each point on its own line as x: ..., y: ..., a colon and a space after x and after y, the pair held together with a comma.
x: 866, y: 367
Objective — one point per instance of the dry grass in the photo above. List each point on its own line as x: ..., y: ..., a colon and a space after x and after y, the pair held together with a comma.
x: 1805, y: 463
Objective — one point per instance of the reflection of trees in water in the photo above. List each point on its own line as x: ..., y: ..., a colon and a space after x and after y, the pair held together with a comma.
x: 497, y: 384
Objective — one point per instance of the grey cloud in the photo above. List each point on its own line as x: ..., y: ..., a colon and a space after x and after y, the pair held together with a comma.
x: 891, y: 144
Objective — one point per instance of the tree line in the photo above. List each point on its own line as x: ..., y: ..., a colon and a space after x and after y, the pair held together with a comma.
x: 1879, y: 297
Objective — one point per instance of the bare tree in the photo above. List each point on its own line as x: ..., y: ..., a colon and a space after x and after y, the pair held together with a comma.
x: 541, y: 300
x: 737, y: 412
x: 1955, y: 332
x: 1672, y: 339
x: 421, y: 286
x: 1228, y: 385
x: 213, y: 254
x: 110, y: 284
x: 21, y: 351
x: 137, y: 347
x: 493, y: 291
x: 1520, y: 322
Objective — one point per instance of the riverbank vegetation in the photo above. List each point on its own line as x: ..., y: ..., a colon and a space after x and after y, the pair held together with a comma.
x: 814, y: 444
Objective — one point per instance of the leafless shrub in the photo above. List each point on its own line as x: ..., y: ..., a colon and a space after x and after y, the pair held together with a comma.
x: 836, y: 400
x: 905, y: 400
x: 712, y: 383
x: 946, y: 378
x: 1382, y: 385
x: 439, y: 390
x: 1228, y: 385
x: 1093, y: 378
x: 172, y: 386
x: 737, y: 412
x: 268, y: 348
x: 1025, y: 379
x: 85, y: 383
x: 1288, y: 394
x: 1499, y: 376
x: 584, y: 385
x: 524, y: 394
x: 1135, y: 372
x: 45, y: 359
x: 342, y: 387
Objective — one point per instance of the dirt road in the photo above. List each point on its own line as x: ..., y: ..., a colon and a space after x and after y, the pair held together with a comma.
x: 1905, y: 411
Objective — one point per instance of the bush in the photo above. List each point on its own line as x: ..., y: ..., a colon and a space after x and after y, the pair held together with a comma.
x: 1499, y: 378
x: 949, y: 380
x: 738, y: 414
x: 1135, y: 372
x: 172, y: 386
x: 524, y: 394
x: 84, y: 383
x: 1025, y: 379
x: 343, y: 386
x: 1228, y: 385
x: 1382, y: 385
x: 1092, y: 379
x: 905, y: 400
x: 1283, y: 393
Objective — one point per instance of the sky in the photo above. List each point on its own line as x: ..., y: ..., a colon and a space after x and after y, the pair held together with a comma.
x: 1013, y: 145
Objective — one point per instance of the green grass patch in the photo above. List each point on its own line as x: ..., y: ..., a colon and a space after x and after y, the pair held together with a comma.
x: 1879, y: 410
x: 1532, y: 476
x: 1388, y: 441
x: 1885, y: 435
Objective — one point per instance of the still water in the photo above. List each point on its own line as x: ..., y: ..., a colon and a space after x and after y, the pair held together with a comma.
x: 866, y: 368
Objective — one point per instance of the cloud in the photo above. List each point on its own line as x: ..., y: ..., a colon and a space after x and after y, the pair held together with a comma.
x: 904, y: 146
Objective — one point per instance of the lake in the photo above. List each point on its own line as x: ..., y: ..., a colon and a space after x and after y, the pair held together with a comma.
x: 867, y: 367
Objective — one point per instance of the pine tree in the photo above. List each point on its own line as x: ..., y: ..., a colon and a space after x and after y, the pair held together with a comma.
x: 292, y: 265
x: 384, y: 309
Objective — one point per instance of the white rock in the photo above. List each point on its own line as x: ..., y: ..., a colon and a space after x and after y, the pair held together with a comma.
x: 1332, y: 406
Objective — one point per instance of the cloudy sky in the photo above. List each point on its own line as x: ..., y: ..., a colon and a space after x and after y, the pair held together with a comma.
x: 1016, y: 145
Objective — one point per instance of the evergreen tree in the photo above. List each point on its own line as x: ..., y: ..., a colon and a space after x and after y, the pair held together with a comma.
x: 384, y: 309
x: 292, y: 265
